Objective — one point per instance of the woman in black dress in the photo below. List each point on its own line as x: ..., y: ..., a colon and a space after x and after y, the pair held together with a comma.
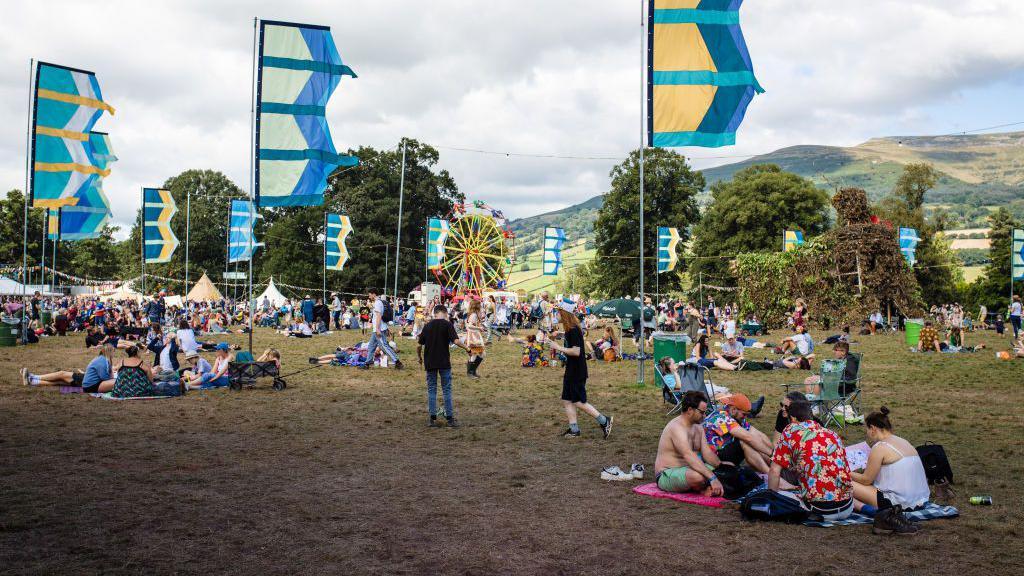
x: 574, y: 382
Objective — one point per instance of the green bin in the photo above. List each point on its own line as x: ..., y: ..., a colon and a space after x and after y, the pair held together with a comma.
x: 45, y: 316
x: 9, y: 332
x: 913, y: 328
x: 668, y: 344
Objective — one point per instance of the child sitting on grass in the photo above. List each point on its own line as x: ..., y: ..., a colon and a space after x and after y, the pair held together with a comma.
x: 533, y: 351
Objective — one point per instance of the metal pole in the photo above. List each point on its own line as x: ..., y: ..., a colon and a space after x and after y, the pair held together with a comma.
x: 401, y: 196
x: 42, y: 256
x: 142, y: 240
x: 28, y: 185
x: 188, y: 227
x: 325, y: 259
x: 387, y: 250
x: 53, y: 261
x: 643, y: 78
x: 252, y: 172
x: 227, y: 250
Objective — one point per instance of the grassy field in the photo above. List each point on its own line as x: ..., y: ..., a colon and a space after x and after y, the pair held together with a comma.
x: 339, y: 474
x: 972, y: 273
x: 534, y: 280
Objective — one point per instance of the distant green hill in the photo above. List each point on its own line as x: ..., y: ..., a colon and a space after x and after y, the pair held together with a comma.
x: 978, y: 170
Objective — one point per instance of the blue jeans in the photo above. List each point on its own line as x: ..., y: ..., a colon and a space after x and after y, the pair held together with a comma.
x: 446, y: 390
x: 1015, y: 322
x: 208, y: 381
x: 382, y: 342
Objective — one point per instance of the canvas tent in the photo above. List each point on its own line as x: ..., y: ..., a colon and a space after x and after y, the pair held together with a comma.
x: 204, y: 291
x: 272, y: 294
x: 123, y: 292
x: 9, y: 287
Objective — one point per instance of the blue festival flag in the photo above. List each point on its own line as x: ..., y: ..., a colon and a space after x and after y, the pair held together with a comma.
x: 699, y: 75
x: 241, y: 240
x: 299, y: 69
x: 53, y: 223
x: 158, y: 209
x: 1017, y: 255
x: 668, y: 240
x: 67, y: 103
x: 908, y: 244
x: 90, y: 214
x: 792, y: 239
x: 336, y: 252
x: 437, y: 236
x: 554, y: 240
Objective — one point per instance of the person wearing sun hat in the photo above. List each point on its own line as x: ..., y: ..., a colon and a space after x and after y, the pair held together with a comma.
x: 574, y: 381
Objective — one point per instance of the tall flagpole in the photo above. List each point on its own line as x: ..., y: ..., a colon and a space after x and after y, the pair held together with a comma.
x: 401, y: 196
x: 325, y: 258
x: 253, y: 167
x: 29, y: 132
x: 142, y: 240
x: 42, y: 252
x: 188, y: 224
x: 643, y: 81
x: 53, y: 261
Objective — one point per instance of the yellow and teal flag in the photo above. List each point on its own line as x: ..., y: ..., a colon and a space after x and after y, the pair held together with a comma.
x: 53, y: 223
x: 791, y: 240
x: 67, y: 103
x: 1017, y: 255
x: 90, y: 214
x: 699, y: 75
x: 158, y: 210
x: 299, y: 68
x: 336, y: 252
x: 668, y: 240
x: 437, y: 236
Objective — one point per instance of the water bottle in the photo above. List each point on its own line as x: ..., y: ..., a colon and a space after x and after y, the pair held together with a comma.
x: 981, y: 500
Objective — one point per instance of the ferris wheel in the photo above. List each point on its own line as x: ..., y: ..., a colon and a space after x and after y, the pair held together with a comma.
x: 479, y: 251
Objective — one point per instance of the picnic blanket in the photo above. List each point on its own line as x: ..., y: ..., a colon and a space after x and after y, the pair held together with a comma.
x: 929, y: 511
x: 108, y: 396
x: 688, y: 497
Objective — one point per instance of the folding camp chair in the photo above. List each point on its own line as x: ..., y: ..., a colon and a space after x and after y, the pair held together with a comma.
x: 831, y: 398
x: 689, y: 377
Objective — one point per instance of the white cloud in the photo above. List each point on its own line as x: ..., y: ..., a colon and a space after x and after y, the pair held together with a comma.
x: 542, y: 77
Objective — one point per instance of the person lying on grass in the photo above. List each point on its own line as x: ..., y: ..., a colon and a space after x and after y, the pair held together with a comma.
x: 733, y: 439
x: 702, y: 356
x: 96, y: 378
x: 841, y: 351
x: 814, y: 458
x: 685, y: 462
x: 894, y: 478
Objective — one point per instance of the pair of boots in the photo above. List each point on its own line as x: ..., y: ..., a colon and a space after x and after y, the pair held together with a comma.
x: 893, y: 521
x: 472, y: 365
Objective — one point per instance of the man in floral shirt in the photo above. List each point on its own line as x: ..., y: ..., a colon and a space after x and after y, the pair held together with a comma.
x: 729, y: 433
x: 928, y: 339
x: 819, y: 457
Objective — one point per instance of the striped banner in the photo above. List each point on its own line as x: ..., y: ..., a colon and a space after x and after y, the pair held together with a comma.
x: 158, y: 208
x: 336, y: 252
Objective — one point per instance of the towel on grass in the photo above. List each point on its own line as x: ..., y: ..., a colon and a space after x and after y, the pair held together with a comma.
x: 688, y: 497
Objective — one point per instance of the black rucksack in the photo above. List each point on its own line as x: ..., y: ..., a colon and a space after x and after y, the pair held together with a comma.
x: 772, y: 506
x: 936, y: 464
x: 737, y: 481
x: 648, y: 314
x: 389, y: 312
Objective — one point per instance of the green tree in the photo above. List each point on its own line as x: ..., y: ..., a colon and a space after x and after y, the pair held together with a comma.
x: 670, y: 199
x: 96, y: 258
x: 12, y: 221
x: 369, y: 195
x: 750, y: 213
x: 993, y: 287
x: 937, y: 269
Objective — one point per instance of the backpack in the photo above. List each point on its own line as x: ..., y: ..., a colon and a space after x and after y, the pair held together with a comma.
x: 936, y: 464
x: 737, y: 481
x: 537, y: 312
x: 648, y: 314
x: 772, y: 506
x: 389, y: 312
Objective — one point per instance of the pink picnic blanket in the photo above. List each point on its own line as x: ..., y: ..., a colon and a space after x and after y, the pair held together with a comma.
x: 689, y: 497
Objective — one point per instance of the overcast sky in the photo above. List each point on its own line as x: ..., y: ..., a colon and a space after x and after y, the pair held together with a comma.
x: 535, y: 76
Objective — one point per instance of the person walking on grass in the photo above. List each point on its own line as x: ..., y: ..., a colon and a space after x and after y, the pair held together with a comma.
x: 437, y: 337
x: 574, y: 382
x: 474, y: 338
x: 379, y: 336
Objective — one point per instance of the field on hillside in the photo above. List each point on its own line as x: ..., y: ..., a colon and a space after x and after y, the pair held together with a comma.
x: 339, y: 474
x: 534, y: 280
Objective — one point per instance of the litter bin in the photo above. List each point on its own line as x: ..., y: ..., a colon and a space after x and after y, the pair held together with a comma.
x: 671, y: 344
x: 913, y: 329
x: 9, y: 331
x: 45, y: 316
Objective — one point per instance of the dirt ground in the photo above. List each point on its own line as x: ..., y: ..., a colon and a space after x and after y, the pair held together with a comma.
x: 339, y: 474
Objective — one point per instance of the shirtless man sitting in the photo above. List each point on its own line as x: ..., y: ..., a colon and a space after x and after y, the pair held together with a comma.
x: 685, y: 462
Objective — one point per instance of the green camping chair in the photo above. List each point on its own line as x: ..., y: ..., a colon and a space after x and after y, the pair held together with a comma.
x: 831, y: 397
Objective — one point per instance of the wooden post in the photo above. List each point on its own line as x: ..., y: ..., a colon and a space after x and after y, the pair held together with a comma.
x: 860, y: 282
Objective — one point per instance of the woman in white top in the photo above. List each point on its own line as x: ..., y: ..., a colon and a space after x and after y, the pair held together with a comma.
x: 894, y: 475
x: 186, y: 337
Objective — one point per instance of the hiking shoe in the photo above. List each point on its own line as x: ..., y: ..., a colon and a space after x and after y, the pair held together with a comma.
x: 607, y: 428
x: 755, y: 408
x: 453, y: 423
x: 434, y: 423
x: 24, y: 376
x: 614, y: 473
x: 893, y: 521
x: 570, y: 434
x: 637, y: 470
x: 399, y: 365
x: 365, y: 366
